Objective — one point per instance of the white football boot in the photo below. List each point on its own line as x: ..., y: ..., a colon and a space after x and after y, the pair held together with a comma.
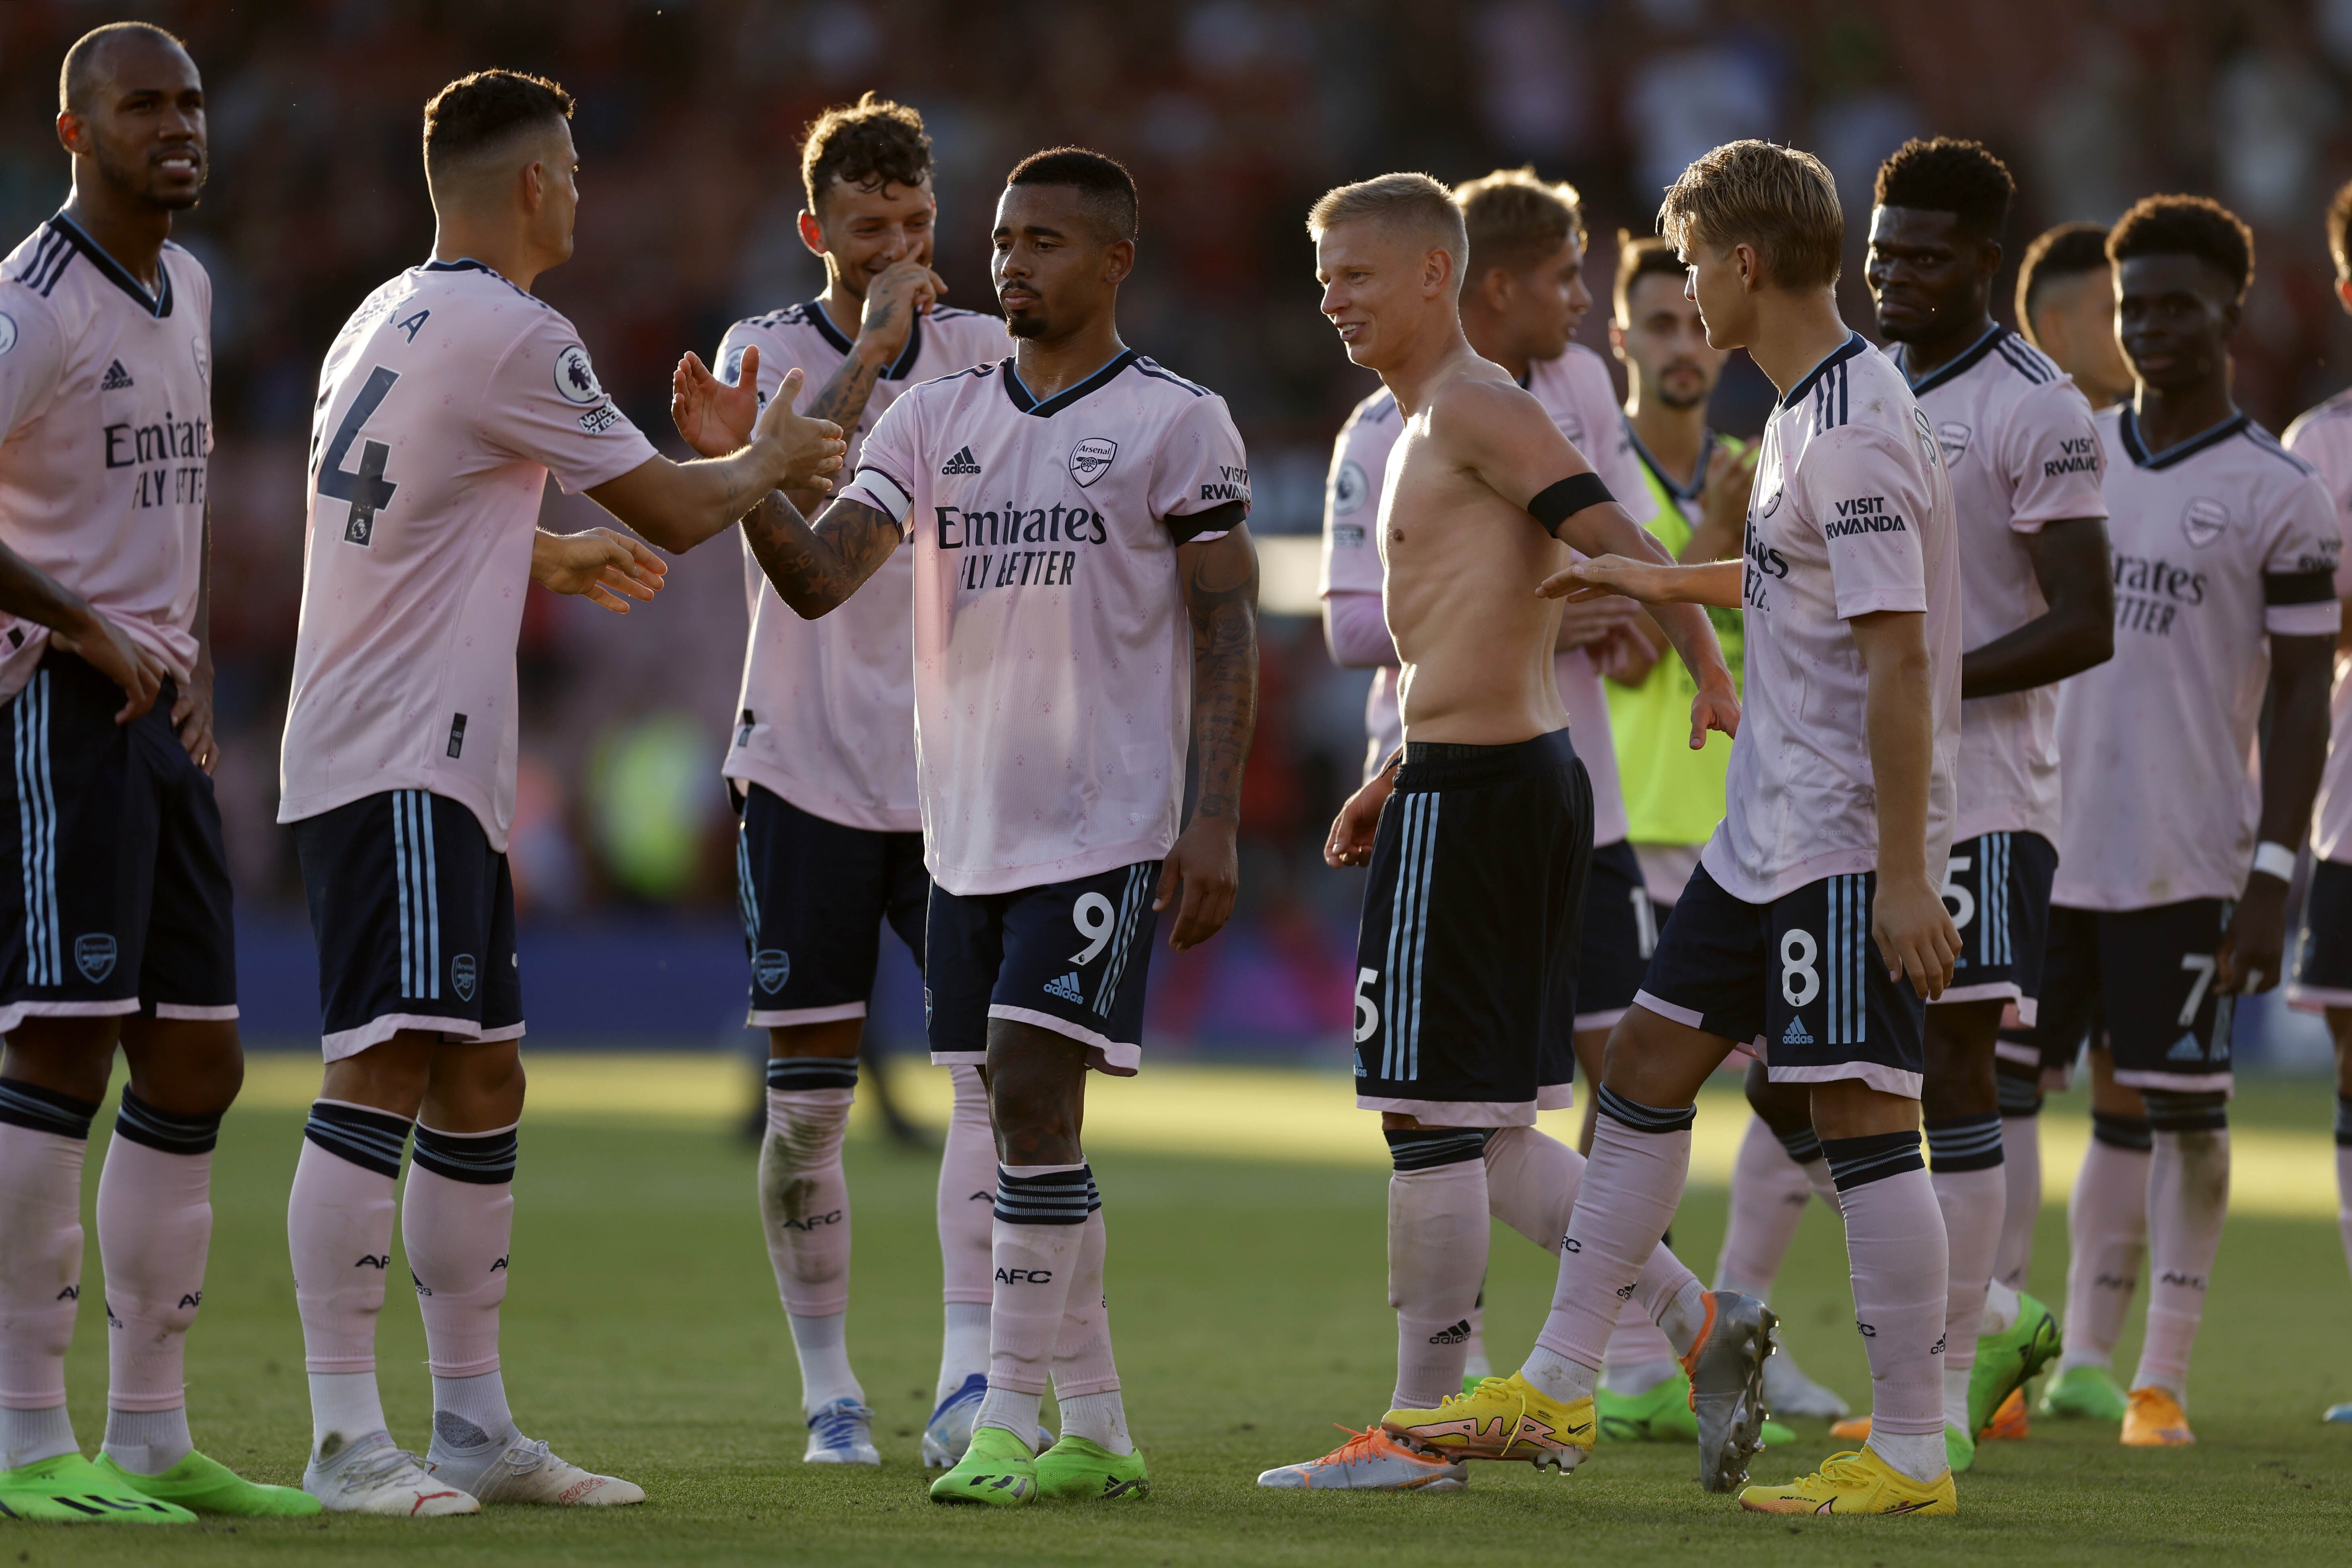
x: 374, y: 1476
x: 1788, y: 1392
x: 842, y: 1433
x: 948, y: 1432
x: 525, y: 1472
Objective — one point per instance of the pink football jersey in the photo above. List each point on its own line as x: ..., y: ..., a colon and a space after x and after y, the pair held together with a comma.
x: 444, y: 403
x: 1852, y: 514
x: 2322, y: 438
x: 1053, y: 652
x: 2021, y: 451
x: 827, y: 717
x: 2158, y: 743
x: 105, y: 430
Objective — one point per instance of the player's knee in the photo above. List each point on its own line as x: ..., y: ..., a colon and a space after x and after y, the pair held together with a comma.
x: 1787, y: 1109
x: 476, y: 1086
x: 2169, y: 1112
x: 72, y: 1055
x: 184, y: 1067
x: 2018, y: 1090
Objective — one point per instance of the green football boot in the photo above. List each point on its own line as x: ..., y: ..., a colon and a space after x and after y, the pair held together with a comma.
x: 206, y: 1486
x: 1663, y: 1414
x: 2084, y: 1393
x: 1081, y: 1470
x: 996, y: 1470
x: 1960, y: 1448
x: 2006, y: 1362
x: 69, y: 1489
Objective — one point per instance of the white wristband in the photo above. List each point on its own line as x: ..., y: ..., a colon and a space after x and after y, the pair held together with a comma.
x: 2274, y: 860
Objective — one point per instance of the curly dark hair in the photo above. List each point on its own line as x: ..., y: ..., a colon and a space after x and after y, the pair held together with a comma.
x: 870, y: 144
x: 2187, y: 225
x: 1949, y: 175
x: 484, y: 109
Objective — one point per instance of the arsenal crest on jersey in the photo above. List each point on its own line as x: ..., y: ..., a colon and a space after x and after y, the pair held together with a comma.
x: 1090, y: 459
x: 2204, y: 520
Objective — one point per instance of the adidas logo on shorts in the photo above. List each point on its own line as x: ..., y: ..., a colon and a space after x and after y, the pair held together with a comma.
x: 963, y: 462
x: 1795, y: 1035
x: 1066, y: 988
x: 2186, y: 1049
x: 115, y: 379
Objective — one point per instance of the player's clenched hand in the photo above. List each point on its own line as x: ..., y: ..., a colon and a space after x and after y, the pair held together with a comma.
x: 713, y: 417
x: 1207, y: 863
x: 808, y: 450
x: 1915, y: 933
x: 1353, y: 830
x: 899, y: 294
x: 102, y: 644
x: 1716, y: 707
x: 192, y: 719
x: 599, y: 565
x: 2253, y: 949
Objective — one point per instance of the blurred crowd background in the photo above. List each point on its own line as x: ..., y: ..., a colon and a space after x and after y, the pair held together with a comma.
x: 1235, y: 114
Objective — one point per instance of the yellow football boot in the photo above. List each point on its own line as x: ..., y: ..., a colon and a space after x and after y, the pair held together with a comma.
x: 1858, y: 1482
x: 1502, y: 1418
x: 2155, y: 1420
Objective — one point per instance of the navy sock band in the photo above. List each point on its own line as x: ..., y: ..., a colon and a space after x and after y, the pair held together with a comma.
x: 2187, y: 1112
x: 1426, y: 1148
x: 2344, y: 1119
x: 488, y: 1158
x: 2019, y: 1095
x: 1804, y: 1145
x: 812, y: 1072
x: 142, y: 1123
x: 1064, y: 1197
x: 2122, y: 1132
x: 1645, y: 1118
x: 1858, y: 1162
x: 1971, y: 1143
x: 372, y: 1140
x: 30, y: 1105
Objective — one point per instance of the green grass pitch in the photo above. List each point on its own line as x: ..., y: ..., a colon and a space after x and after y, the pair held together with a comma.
x: 643, y: 1336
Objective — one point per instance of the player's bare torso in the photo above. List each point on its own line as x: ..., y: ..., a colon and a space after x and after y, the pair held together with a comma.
x: 1460, y: 565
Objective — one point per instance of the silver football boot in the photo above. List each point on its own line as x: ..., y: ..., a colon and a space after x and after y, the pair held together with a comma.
x: 1728, y: 1388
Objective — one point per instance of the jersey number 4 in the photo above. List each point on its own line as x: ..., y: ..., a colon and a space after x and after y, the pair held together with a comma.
x: 364, y: 489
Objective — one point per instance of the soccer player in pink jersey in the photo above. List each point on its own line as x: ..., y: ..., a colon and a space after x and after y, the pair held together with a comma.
x: 118, y: 932
x: 822, y: 764
x: 2066, y: 307
x: 1813, y: 931
x: 444, y: 403
x: 1085, y: 591
x: 2178, y: 828
x: 2322, y: 976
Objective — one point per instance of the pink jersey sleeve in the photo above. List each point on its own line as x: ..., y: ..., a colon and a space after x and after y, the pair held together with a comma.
x: 2305, y: 541
x: 545, y: 405
x: 2053, y: 453
x: 889, y: 462
x: 1864, y: 493
x: 1200, y: 468
x: 30, y: 355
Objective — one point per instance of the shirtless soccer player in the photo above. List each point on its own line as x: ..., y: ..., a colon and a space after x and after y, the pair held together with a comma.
x: 1083, y: 590
x: 2023, y: 457
x: 1465, y: 978
x: 2322, y: 976
x: 1812, y: 928
x: 823, y: 763
x: 118, y: 932
x: 444, y: 403
x: 1523, y: 294
x: 2180, y: 831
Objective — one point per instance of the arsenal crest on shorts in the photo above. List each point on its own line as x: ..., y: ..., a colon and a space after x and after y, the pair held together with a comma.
x: 1090, y: 459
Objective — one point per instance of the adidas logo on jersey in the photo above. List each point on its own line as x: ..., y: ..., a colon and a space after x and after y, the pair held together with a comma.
x: 1795, y: 1034
x: 1066, y: 988
x: 2186, y: 1049
x: 963, y: 462
x: 115, y: 379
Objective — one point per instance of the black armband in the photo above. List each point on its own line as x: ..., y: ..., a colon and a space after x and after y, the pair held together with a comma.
x: 2298, y: 587
x: 1222, y: 518
x: 1557, y: 503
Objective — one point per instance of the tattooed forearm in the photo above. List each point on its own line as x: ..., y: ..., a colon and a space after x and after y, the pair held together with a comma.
x: 816, y: 569
x: 1221, y: 595
x: 843, y: 400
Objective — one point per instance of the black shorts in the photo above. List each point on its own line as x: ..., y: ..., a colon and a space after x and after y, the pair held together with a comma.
x: 1621, y: 932
x: 1069, y: 956
x: 2160, y: 1016
x: 813, y: 895
x: 1798, y: 981
x: 2323, y: 967
x: 414, y: 915
x: 1997, y: 889
x: 121, y: 902
x: 1466, y: 960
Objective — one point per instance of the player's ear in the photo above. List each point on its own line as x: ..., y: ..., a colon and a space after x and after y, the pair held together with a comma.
x: 811, y: 234
x: 2344, y: 292
x: 1118, y: 261
x: 72, y: 134
x: 1437, y: 270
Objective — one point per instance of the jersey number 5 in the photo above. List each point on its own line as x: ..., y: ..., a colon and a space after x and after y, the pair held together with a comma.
x: 364, y: 489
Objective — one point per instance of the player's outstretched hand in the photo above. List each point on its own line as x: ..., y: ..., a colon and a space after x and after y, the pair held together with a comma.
x: 1915, y: 934
x: 1206, y: 863
x: 599, y: 565
x: 1603, y: 577
x: 1358, y: 821
x: 712, y: 417
x: 812, y: 449
x: 102, y: 644
x: 192, y: 720
x: 2253, y: 949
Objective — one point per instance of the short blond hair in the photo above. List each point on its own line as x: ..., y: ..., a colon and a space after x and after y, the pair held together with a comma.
x: 1413, y: 204
x: 1514, y: 220
x: 1778, y: 199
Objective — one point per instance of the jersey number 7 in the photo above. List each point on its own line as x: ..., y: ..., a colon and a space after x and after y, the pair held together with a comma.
x: 365, y: 488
